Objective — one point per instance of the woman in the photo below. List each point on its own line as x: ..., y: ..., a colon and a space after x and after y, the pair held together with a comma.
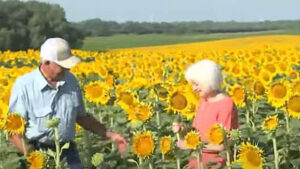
x: 214, y: 107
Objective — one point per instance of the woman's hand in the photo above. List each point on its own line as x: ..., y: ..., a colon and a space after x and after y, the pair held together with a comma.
x: 180, y: 143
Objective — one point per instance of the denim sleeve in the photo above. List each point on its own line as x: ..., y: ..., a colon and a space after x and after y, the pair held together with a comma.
x: 81, y: 111
x: 17, y: 102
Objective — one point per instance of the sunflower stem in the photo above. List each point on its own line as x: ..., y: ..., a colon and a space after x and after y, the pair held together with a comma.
x: 199, y: 160
x: 234, y: 151
x: 0, y: 138
x: 57, y: 148
x: 288, y: 134
x: 112, y: 126
x: 24, y: 146
x: 228, y: 159
x: 275, y: 153
x: 248, y: 117
x: 157, y: 118
x: 157, y: 110
x: 163, y: 159
x: 140, y: 162
x: 177, y: 136
x: 253, y: 115
x: 150, y: 166
x: 178, y: 163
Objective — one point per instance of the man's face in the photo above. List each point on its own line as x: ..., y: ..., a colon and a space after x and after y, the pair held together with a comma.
x: 54, y: 71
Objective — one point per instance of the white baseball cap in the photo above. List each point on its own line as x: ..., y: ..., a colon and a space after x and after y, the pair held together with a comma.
x: 58, y: 50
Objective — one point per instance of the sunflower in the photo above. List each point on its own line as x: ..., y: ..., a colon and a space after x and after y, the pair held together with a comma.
x: 97, y: 92
x: 250, y: 156
x: 216, y: 134
x: 192, y: 140
x: 110, y: 81
x: 182, y: 100
x: 296, y: 86
x: 3, y: 114
x: 138, y: 112
x: 270, y: 67
x: 265, y: 77
x: 165, y: 144
x: 270, y: 123
x: 161, y: 91
x: 293, y: 106
x: 138, y: 82
x: 125, y: 98
x: 278, y: 93
x: 78, y: 128
x: 258, y: 89
x: 14, y: 124
x: 4, y: 96
x: 100, y: 70
x: 238, y: 95
x: 143, y: 144
x: 36, y: 160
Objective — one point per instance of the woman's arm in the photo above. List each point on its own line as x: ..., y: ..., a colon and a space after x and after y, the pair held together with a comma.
x: 209, y: 148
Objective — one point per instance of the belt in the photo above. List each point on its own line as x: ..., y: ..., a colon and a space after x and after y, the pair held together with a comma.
x: 40, y: 145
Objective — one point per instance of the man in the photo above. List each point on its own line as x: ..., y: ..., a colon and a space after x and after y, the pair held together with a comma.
x: 51, y: 91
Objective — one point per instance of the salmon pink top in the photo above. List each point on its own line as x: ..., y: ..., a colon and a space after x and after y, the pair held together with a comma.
x: 222, y: 112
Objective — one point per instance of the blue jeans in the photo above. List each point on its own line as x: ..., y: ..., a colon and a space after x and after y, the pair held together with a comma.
x: 71, y: 154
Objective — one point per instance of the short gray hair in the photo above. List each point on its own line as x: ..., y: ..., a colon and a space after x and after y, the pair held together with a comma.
x: 206, y: 72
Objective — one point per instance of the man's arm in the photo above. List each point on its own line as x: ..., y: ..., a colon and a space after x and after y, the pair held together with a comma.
x: 17, y: 142
x: 88, y: 122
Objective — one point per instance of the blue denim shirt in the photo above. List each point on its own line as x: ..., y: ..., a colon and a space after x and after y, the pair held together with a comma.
x: 36, y: 101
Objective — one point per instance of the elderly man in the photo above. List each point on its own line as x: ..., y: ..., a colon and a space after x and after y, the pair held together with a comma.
x: 51, y: 91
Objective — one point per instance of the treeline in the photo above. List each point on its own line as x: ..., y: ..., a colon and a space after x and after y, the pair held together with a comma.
x: 97, y: 27
x: 26, y: 25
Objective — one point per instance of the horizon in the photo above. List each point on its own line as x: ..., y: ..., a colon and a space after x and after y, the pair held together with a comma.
x: 179, y: 11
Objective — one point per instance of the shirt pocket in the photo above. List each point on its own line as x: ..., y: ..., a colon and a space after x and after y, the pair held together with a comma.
x: 42, y: 115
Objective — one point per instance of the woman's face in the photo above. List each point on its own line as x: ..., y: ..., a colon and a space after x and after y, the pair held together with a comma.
x: 202, y: 88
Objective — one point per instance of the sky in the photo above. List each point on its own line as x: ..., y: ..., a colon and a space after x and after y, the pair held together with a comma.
x: 179, y: 10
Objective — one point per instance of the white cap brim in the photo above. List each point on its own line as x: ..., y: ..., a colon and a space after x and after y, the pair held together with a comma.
x: 68, y: 63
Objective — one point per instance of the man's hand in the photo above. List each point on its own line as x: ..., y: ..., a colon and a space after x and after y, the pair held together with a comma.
x: 119, y: 140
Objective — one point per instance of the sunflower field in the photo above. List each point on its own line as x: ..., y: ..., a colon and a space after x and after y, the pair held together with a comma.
x: 140, y: 92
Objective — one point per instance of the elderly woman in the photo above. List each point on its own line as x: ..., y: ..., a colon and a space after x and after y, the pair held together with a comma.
x: 214, y: 107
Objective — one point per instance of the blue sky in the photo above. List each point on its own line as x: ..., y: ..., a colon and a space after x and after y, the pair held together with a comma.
x: 180, y: 10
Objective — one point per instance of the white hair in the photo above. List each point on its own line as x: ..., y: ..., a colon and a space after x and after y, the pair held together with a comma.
x: 206, y: 72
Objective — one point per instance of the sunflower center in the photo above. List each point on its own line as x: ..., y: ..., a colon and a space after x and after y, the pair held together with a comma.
x: 238, y: 94
x: 266, y: 77
x: 162, y: 92
x: 294, y: 104
x: 14, y: 124
x: 178, y: 101
x: 144, y: 146
x: 279, y: 90
x: 297, y: 87
x: 217, y: 136
x: 270, y: 123
x: 126, y: 98
x: 259, y: 88
x: 96, y: 91
x: 253, y: 158
x: 271, y: 68
x: 143, y: 113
